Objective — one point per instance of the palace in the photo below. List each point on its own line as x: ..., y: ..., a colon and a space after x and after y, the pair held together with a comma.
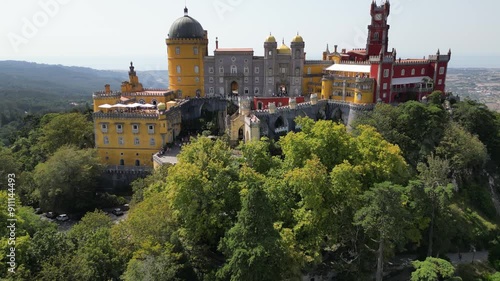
x: 135, y: 123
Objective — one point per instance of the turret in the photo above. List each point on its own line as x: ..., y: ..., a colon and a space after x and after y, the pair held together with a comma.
x: 314, y: 99
x: 272, y: 107
x: 292, y: 102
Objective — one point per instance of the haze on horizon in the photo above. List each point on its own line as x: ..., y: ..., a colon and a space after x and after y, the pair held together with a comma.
x: 109, y: 34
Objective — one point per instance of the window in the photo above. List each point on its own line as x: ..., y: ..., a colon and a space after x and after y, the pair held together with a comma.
x: 386, y: 73
x: 104, y: 128
x: 221, y: 90
x: 233, y: 59
x: 210, y: 79
x: 422, y: 72
x: 178, y: 68
x: 221, y: 80
x: 441, y: 70
x: 413, y: 71
x: 195, y: 50
x: 137, y: 162
x: 122, y: 162
x: 211, y: 69
x: 121, y: 141
x: 234, y: 70
x: 177, y: 50
x: 256, y: 91
x: 136, y: 141
x: 376, y: 36
x: 283, y: 70
x: 179, y: 79
x: 270, y: 80
x: 308, y: 70
x: 211, y: 90
x: 440, y: 82
x: 257, y: 70
x: 154, y: 102
x: 270, y: 71
x: 297, y: 54
x: 135, y: 128
x: 270, y: 53
x: 196, y: 69
x: 119, y: 128
x: 152, y: 142
x: 297, y: 71
x: 246, y: 70
x: 221, y: 70
x: 257, y: 80
x: 197, y: 79
x: 221, y: 60
x: 246, y: 91
x: 245, y: 80
x: 384, y: 86
x: 151, y: 129
x: 403, y: 72
x: 106, y: 140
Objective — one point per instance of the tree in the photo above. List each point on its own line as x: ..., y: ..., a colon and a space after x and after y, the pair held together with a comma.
x: 67, y: 181
x: 8, y: 165
x: 437, y: 189
x: 252, y: 246
x: 432, y: 269
x: 65, y: 129
x: 384, y: 216
x: 464, y: 151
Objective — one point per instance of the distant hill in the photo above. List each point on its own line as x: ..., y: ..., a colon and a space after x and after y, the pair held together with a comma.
x: 32, y: 87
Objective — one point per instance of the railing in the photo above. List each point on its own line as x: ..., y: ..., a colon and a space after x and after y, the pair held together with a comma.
x: 129, y: 169
x: 282, y: 129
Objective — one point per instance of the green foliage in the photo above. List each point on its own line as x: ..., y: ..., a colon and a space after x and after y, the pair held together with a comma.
x: 435, y: 97
x: 432, y: 269
x: 253, y: 245
x: 68, y: 180
x: 477, y: 119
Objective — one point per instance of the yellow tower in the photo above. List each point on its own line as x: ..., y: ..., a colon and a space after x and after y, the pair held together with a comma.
x: 187, y: 45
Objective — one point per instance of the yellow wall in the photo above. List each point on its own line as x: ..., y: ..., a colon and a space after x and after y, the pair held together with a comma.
x: 186, y: 60
x: 315, y: 77
x: 166, y: 128
x: 332, y: 89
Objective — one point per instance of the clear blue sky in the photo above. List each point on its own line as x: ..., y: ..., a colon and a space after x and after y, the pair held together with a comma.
x: 107, y: 34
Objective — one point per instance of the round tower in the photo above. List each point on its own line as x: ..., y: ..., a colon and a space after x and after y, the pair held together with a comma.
x: 187, y: 45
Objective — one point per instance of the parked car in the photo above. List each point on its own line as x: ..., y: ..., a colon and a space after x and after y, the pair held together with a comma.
x: 62, y: 217
x: 117, y: 212
x: 50, y: 215
x: 125, y: 207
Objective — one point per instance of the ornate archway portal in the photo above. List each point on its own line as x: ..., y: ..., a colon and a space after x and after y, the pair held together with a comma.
x: 234, y: 88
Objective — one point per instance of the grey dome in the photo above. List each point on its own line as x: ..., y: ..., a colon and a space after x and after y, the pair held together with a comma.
x: 186, y: 27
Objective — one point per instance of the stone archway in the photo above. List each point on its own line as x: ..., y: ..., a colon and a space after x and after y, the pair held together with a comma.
x: 235, y: 88
x: 241, y: 132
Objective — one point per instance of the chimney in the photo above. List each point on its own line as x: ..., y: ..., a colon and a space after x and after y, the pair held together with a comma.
x: 216, y: 43
x: 343, y: 51
x: 335, y: 48
x: 107, y: 88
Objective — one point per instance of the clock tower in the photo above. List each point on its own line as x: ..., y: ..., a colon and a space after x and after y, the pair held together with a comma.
x: 378, y: 30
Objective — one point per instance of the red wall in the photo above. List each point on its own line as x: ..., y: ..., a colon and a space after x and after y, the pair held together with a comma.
x: 277, y: 100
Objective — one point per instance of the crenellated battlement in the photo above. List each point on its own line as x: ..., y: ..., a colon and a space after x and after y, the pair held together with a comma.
x: 125, y: 115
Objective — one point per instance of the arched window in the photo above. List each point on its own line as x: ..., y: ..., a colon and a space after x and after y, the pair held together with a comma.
x: 308, y: 70
x: 422, y: 72
x: 413, y: 71
x: 402, y: 72
x: 137, y: 163
x: 178, y: 68
x: 154, y: 102
x: 122, y: 162
x: 196, y: 69
x: 234, y: 70
x: 376, y: 36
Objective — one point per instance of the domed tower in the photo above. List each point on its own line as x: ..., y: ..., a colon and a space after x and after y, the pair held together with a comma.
x: 270, y: 53
x: 187, y: 45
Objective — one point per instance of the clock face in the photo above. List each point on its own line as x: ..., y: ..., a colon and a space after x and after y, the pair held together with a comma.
x: 378, y: 17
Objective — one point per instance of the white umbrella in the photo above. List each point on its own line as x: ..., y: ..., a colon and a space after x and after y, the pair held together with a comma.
x: 119, y: 105
x: 147, y: 105
x: 105, y: 106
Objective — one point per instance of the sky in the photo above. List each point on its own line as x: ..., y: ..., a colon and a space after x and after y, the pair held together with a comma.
x: 108, y: 34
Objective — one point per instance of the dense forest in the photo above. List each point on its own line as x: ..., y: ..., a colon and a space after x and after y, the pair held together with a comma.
x: 417, y: 178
